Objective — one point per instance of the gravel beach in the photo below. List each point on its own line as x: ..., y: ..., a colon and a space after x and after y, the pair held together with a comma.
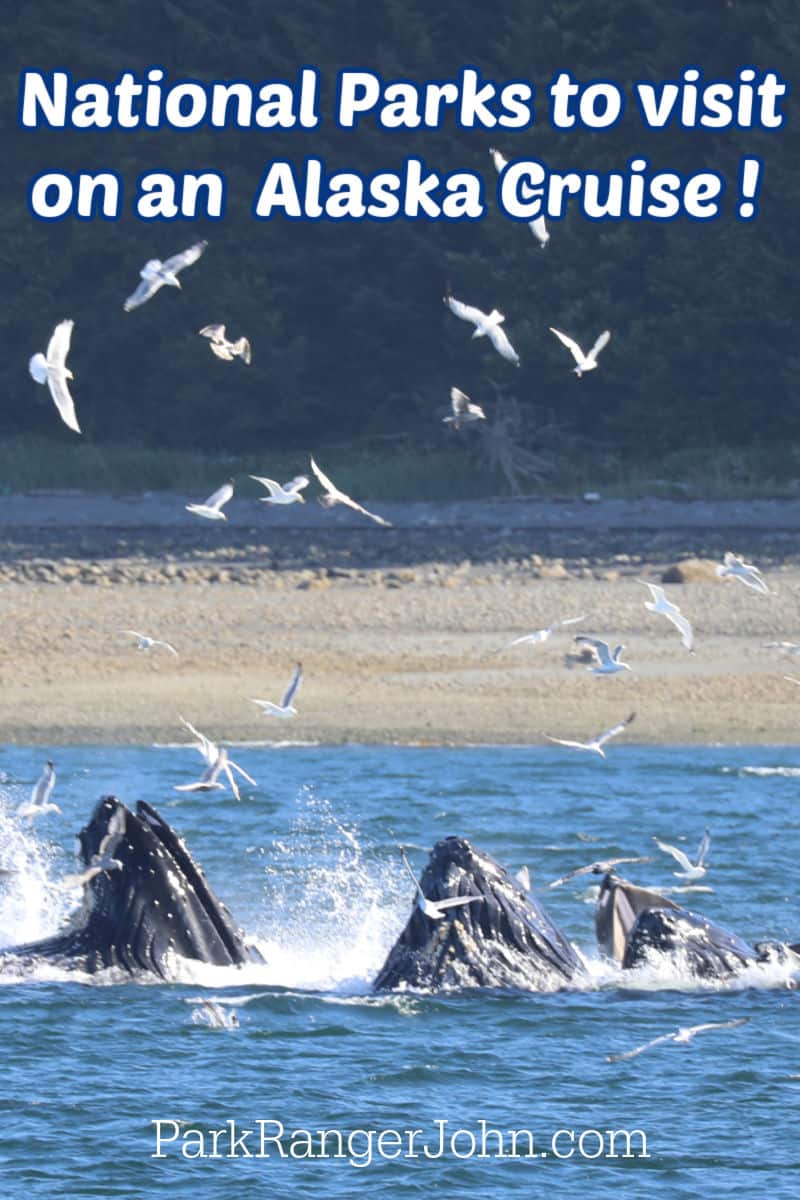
x: 403, y: 633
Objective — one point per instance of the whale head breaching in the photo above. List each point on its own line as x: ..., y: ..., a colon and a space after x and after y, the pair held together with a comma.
x: 503, y: 941
x: 153, y: 908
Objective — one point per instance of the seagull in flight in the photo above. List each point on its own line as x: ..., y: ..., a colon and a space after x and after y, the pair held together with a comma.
x: 103, y: 860
x: 595, y: 744
x: 52, y: 369
x: 486, y: 325
x: 435, y: 909
x: 40, y: 795
x: 212, y: 508
x: 785, y: 647
x: 211, y: 1013
x: 284, y: 709
x: 691, y: 870
x: 607, y: 662
x: 523, y: 878
x: 585, y: 362
x: 541, y: 635
x: 155, y: 274
x: 288, y: 493
x: 681, y: 1037
x: 658, y: 603
x: 596, y: 868
x: 228, y: 351
x: 147, y: 643
x: 209, y: 780
x: 211, y: 753
x: 333, y: 496
x: 537, y: 225
x: 464, y: 411
x: 734, y: 567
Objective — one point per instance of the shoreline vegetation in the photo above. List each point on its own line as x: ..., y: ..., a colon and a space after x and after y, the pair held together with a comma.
x: 398, y: 468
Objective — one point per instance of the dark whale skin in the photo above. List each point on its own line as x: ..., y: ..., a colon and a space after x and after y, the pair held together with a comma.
x: 139, y: 918
x: 505, y: 940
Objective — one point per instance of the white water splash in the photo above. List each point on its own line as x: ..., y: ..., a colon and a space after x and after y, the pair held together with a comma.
x: 332, y: 907
x: 32, y: 903
x: 786, y: 772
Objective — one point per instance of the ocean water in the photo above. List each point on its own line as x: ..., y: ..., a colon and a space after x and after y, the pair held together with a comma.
x: 307, y: 863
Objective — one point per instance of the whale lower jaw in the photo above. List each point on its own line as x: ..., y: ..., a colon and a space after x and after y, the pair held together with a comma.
x: 147, y: 916
x: 502, y: 941
x: 636, y: 927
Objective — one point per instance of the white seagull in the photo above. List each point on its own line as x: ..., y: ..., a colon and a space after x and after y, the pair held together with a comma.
x: 212, y: 508
x: 212, y: 754
x: 542, y: 635
x: 537, y: 225
x: 209, y: 780
x: 594, y: 744
x: 288, y: 493
x: 228, y: 351
x: 52, y: 369
x: 585, y: 362
x: 784, y: 647
x: 147, y: 643
x: 596, y: 868
x: 734, y: 567
x: 486, y: 325
x: 464, y: 411
x: 333, y: 496
x: 155, y: 274
x: 435, y: 909
x: 40, y: 795
x: 607, y: 662
x: 103, y: 860
x: 211, y: 1013
x: 660, y: 604
x: 681, y: 1037
x: 691, y: 870
x: 284, y: 709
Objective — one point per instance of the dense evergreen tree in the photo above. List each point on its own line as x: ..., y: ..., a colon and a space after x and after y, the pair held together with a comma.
x: 346, y: 319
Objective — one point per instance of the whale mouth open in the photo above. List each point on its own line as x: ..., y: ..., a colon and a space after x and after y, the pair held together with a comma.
x: 634, y: 925
x: 503, y: 940
x: 156, y: 908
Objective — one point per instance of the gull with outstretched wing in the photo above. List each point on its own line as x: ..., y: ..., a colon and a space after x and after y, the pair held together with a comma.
x: 596, y: 868
x: 681, y: 1037
x: 287, y: 493
x: 691, y: 870
x: 211, y: 509
x: 486, y: 325
x: 464, y: 411
x: 435, y: 909
x: 218, y: 344
x: 51, y: 368
x: 658, y: 603
x: 285, y: 708
x: 537, y: 226
x: 155, y: 274
x: 607, y: 662
x: 585, y: 362
x: 333, y: 495
x: 104, y: 859
x: 594, y: 744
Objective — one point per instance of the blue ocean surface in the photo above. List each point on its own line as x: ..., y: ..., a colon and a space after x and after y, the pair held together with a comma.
x: 307, y: 863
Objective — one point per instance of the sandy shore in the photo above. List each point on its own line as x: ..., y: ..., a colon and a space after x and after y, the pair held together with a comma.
x: 399, y: 638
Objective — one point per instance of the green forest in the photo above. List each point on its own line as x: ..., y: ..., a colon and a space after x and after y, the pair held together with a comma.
x: 352, y: 345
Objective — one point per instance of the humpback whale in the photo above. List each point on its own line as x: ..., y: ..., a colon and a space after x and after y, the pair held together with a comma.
x: 633, y: 924
x: 505, y: 941
x: 155, y: 907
